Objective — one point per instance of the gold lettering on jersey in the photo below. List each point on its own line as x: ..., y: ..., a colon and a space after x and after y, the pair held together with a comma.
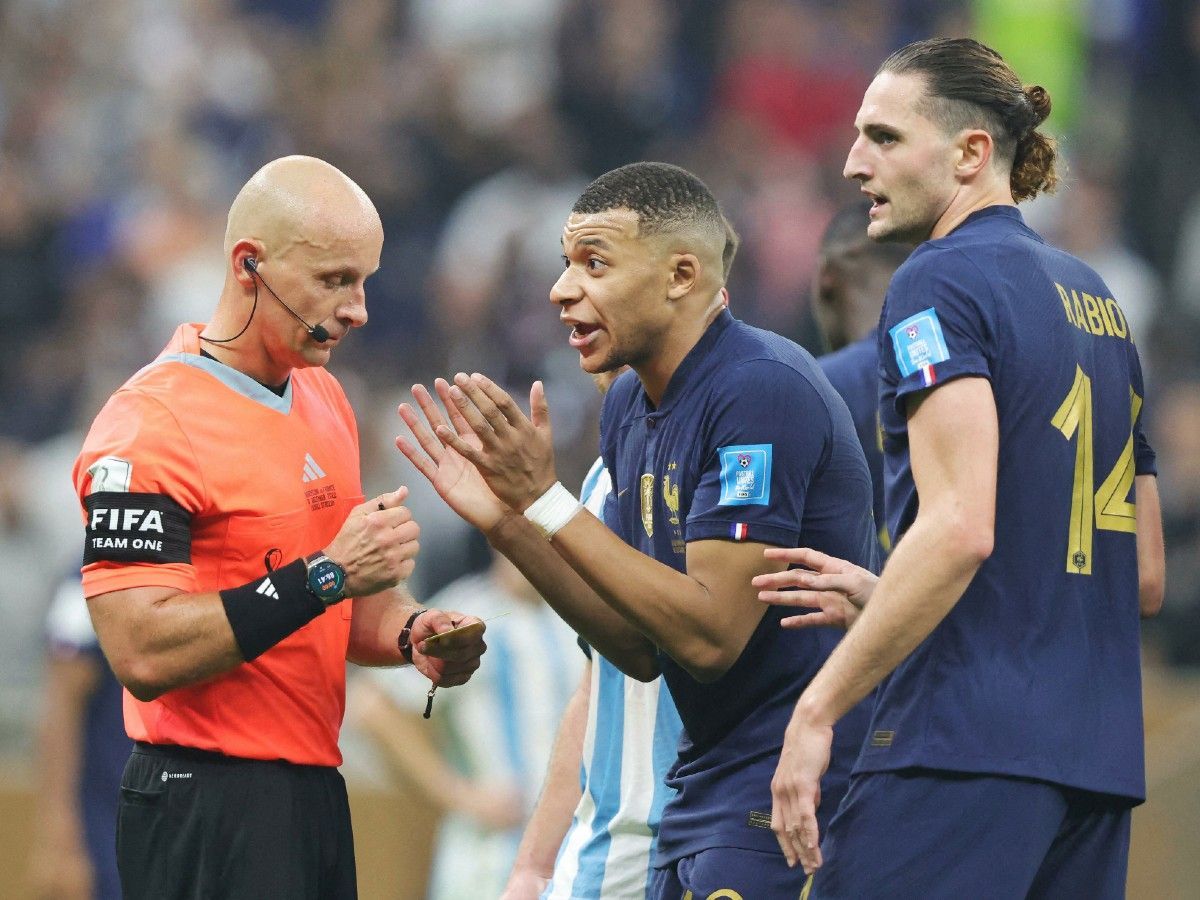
x: 1100, y: 316
x: 1095, y: 320
x: 1062, y: 292
x: 1080, y: 322
x: 647, y: 493
x: 882, y: 738
x: 1108, y: 322
x: 1120, y: 326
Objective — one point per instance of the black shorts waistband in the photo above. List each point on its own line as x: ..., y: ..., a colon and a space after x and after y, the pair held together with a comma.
x: 194, y: 754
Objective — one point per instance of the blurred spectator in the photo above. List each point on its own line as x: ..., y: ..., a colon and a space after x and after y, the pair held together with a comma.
x: 848, y: 291
x: 480, y: 760
x: 1163, y: 126
x: 497, y: 57
x: 1176, y: 438
x: 1089, y: 226
x: 80, y: 755
x: 499, y: 254
x: 622, y: 74
x: 783, y: 81
x: 1186, y: 281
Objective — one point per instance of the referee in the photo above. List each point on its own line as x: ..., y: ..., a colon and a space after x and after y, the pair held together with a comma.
x: 226, y: 532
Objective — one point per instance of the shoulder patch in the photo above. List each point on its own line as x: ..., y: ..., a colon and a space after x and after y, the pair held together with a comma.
x: 110, y: 474
x: 918, y: 342
x: 745, y: 475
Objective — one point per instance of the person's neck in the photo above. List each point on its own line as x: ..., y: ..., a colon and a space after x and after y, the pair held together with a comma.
x: 227, y: 356
x: 968, y: 202
x: 656, y: 372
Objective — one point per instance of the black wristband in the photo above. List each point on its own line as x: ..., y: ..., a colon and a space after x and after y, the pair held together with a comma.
x: 404, y: 639
x: 265, y: 611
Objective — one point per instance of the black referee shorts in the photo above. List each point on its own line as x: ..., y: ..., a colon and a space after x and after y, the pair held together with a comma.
x: 197, y: 825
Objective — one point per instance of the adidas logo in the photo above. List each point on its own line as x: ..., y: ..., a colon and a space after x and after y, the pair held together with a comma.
x: 311, y: 470
x: 267, y: 589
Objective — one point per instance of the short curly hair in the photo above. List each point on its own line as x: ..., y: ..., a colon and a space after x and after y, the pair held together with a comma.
x: 665, y: 198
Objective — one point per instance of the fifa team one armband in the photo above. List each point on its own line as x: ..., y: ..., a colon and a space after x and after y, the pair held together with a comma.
x: 142, y: 528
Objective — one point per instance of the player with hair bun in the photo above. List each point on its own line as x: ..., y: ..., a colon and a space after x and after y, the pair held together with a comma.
x: 1007, y: 738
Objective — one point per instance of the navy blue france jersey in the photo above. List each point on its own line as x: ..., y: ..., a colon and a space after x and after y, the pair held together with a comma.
x: 1036, y: 671
x: 854, y: 373
x: 749, y: 443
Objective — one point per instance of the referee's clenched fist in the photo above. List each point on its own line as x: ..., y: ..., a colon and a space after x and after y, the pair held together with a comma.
x: 377, y: 544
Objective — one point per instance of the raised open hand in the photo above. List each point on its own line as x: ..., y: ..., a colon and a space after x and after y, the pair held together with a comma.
x: 457, y: 481
x: 513, y: 453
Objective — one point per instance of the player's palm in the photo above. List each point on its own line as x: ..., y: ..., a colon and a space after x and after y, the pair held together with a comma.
x: 513, y: 452
x: 464, y: 490
x: 456, y: 480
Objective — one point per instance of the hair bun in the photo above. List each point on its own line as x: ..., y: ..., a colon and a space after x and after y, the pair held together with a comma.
x: 1039, y: 100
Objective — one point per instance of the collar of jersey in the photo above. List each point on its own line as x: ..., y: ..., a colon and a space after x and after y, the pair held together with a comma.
x: 680, y: 381
x: 996, y: 211
x: 235, y: 380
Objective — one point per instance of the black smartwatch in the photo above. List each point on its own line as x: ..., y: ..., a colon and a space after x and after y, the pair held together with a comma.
x: 326, y: 579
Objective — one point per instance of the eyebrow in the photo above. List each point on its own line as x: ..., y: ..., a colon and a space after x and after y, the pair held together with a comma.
x: 587, y: 242
x: 870, y: 128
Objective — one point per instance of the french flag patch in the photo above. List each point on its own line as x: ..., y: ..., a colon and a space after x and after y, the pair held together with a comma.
x: 928, y: 375
x: 739, y: 531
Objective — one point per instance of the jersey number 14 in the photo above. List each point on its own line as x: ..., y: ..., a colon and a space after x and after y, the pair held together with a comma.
x: 1104, y: 507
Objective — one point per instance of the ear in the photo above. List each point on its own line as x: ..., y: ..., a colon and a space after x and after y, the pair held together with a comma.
x: 975, y: 147
x: 238, y: 254
x: 683, y: 275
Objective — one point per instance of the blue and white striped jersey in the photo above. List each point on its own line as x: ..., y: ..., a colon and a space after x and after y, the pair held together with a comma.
x: 631, y: 740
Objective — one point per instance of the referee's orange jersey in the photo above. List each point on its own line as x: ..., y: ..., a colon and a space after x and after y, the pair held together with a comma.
x: 190, y: 449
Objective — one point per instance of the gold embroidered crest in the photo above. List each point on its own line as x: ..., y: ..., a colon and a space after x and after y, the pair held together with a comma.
x: 647, y: 494
x: 671, y: 498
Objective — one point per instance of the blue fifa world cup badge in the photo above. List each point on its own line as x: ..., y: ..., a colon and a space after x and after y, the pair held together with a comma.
x: 918, y: 342
x: 745, y: 475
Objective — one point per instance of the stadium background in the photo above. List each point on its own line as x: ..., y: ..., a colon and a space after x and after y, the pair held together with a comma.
x: 126, y: 126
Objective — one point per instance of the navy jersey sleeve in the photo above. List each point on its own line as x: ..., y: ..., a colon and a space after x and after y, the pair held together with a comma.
x: 1144, y: 457
x: 768, y: 434
x: 936, y: 324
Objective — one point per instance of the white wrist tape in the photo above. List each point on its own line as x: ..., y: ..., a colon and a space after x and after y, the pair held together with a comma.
x: 554, y: 509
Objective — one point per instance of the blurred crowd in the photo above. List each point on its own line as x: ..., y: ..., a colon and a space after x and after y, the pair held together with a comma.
x: 126, y: 126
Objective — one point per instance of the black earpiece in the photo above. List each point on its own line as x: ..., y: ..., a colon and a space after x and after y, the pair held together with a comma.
x: 317, y: 332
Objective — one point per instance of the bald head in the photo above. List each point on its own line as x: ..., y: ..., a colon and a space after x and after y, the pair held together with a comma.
x: 299, y: 200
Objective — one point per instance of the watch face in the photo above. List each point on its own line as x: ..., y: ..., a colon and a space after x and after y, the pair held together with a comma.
x: 326, y: 579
